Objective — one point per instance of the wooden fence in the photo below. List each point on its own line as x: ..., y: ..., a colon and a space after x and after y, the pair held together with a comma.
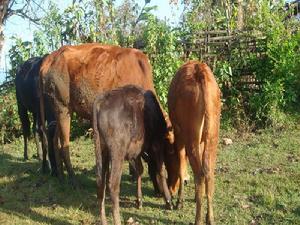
x: 212, y: 46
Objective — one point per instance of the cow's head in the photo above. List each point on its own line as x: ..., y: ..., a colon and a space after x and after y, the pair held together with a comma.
x: 157, y: 168
x: 171, y: 158
x: 165, y: 149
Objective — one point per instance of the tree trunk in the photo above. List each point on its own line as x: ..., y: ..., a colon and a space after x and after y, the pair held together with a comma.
x: 3, y: 11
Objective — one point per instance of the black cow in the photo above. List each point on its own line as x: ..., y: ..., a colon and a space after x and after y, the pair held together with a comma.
x: 127, y: 122
x: 27, y: 84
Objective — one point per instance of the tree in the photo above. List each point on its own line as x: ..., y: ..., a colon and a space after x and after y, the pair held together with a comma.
x: 3, y: 16
x: 26, y: 9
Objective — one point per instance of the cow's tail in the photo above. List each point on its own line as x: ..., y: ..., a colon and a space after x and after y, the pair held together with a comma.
x: 203, y: 76
x: 42, y: 112
x: 98, y: 150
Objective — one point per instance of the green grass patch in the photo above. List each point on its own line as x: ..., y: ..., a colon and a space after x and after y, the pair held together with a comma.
x: 257, y: 182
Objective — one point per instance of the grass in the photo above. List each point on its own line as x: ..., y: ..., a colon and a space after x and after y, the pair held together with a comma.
x: 257, y: 182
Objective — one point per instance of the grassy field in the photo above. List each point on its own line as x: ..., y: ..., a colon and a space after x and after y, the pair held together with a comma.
x: 257, y: 182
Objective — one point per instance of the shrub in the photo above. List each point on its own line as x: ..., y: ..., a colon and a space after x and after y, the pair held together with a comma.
x: 10, y: 125
x: 164, y: 52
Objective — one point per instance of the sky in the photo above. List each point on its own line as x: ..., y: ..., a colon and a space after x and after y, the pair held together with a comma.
x: 16, y: 26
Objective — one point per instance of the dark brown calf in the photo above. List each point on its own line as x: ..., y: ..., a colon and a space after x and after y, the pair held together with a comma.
x: 127, y: 122
x: 194, y: 107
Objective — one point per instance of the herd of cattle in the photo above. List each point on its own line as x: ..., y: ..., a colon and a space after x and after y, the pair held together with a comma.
x: 113, y: 88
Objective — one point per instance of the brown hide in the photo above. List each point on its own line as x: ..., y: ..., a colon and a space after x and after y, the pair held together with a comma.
x: 72, y: 76
x: 127, y: 121
x: 76, y: 74
x: 194, y: 108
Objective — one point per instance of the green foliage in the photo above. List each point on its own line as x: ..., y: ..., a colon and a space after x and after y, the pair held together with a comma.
x: 128, y: 23
x: 76, y: 24
x: 10, y: 125
x: 164, y: 53
x: 18, y: 54
x: 278, y: 70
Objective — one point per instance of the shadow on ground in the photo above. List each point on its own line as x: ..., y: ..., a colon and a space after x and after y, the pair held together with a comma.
x: 25, y: 192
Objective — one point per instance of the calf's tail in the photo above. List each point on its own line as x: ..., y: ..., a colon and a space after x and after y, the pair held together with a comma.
x: 98, y: 151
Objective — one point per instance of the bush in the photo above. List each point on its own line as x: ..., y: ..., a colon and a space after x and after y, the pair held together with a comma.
x: 164, y: 53
x: 10, y: 125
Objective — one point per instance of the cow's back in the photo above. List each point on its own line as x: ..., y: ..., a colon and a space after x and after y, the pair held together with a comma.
x: 79, y: 73
x: 26, y: 82
x: 119, y: 120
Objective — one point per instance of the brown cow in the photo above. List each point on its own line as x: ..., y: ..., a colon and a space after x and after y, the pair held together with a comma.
x: 72, y: 76
x: 127, y: 122
x: 194, y: 107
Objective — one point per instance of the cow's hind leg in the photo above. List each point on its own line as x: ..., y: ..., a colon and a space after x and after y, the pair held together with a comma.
x: 114, y: 186
x: 139, y: 171
x: 180, y: 150
x: 25, y: 127
x: 210, y: 163
x: 57, y: 154
x: 63, y: 121
x: 102, y: 167
x: 40, y: 135
x: 195, y: 159
x: 210, y: 186
x: 101, y: 185
x: 52, y: 148
x: 199, y: 195
x: 35, y: 129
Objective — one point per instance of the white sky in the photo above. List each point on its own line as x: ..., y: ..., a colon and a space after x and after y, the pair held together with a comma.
x: 22, y: 28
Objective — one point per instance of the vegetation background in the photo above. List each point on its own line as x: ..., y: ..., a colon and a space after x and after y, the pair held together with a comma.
x: 131, y: 23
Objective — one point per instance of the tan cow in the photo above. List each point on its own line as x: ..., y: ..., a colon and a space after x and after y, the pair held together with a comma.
x: 72, y: 76
x: 194, y: 107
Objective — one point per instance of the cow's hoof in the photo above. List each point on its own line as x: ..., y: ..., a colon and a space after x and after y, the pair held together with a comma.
x: 45, y: 168
x: 74, y: 183
x: 54, y: 173
x: 169, y: 205
x: 139, y: 203
x: 179, y: 204
x: 60, y: 177
x: 209, y: 221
